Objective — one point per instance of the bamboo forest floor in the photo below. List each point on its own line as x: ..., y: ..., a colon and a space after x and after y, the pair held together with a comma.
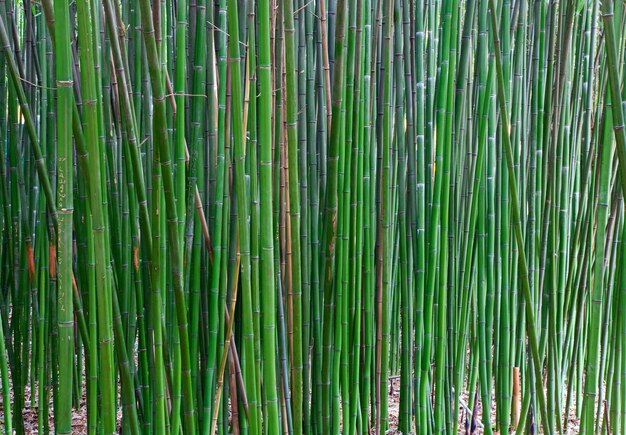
x: 30, y: 415
x: 573, y: 422
x: 79, y: 415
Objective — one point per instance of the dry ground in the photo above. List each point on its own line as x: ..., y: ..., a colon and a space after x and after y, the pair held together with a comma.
x: 79, y: 417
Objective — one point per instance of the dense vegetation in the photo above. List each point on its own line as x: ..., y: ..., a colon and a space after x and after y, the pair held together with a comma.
x: 246, y: 215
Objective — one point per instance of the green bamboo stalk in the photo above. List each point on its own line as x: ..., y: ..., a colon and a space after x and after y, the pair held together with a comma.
x: 530, y: 318
x: 65, y: 168
x: 294, y: 216
x: 100, y: 230
x: 243, y: 214
x: 162, y: 143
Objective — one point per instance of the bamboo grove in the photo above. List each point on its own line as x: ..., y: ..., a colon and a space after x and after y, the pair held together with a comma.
x: 255, y: 216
